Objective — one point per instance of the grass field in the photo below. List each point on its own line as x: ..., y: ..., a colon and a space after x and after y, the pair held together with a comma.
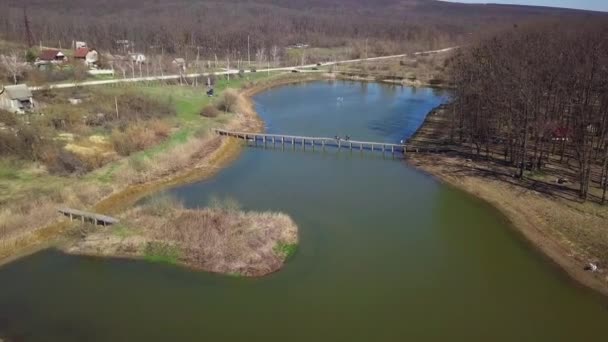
x: 30, y: 195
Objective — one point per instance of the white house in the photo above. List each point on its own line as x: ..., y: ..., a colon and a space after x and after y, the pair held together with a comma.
x: 179, y: 63
x: 138, y: 58
x: 16, y: 98
x: 92, y: 58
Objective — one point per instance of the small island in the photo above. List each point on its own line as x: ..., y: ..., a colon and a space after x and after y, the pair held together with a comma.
x: 221, y: 238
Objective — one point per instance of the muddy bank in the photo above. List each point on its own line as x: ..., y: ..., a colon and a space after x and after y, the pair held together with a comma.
x: 569, y: 234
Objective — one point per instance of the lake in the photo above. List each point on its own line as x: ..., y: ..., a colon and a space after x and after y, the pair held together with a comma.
x: 387, y: 253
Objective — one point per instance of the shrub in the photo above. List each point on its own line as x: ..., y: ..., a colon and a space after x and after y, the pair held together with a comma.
x: 64, y: 116
x: 30, y: 56
x: 160, y: 128
x: 95, y: 160
x: 25, y: 142
x: 228, y: 101
x: 134, y: 138
x: 8, y: 118
x: 210, y: 112
x: 64, y: 162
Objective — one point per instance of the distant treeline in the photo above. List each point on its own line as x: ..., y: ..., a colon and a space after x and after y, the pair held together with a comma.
x: 538, y: 93
x: 189, y: 27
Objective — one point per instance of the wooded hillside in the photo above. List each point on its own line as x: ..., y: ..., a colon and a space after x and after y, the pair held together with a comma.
x: 222, y: 27
x: 538, y: 95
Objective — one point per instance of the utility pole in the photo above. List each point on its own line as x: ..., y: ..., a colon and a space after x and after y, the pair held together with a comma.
x: 28, y: 32
x: 248, y: 52
x: 116, y: 104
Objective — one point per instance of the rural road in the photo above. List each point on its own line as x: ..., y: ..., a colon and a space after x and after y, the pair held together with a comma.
x: 228, y: 72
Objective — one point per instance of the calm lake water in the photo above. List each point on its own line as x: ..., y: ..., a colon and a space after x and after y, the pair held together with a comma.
x: 386, y: 254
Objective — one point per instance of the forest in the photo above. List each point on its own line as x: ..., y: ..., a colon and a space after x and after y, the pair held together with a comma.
x: 228, y: 28
x: 537, y: 95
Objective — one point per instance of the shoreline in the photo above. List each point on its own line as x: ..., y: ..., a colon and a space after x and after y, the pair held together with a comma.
x: 505, y: 198
x: 546, y: 246
x: 223, y: 154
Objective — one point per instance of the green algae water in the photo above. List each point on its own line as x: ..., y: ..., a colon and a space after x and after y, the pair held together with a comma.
x: 386, y: 252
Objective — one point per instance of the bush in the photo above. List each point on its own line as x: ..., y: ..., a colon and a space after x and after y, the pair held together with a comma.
x: 64, y: 162
x: 24, y: 142
x: 210, y: 112
x: 228, y: 101
x: 132, y: 139
x: 8, y: 118
x: 30, y: 56
x: 160, y: 128
x: 64, y: 116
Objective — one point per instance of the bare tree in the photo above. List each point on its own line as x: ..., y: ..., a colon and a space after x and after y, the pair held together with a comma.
x: 13, y: 65
x: 274, y: 52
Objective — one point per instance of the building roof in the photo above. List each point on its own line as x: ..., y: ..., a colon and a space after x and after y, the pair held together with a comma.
x: 81, y: 52
x: 49, y: 55
x: 18, y: 92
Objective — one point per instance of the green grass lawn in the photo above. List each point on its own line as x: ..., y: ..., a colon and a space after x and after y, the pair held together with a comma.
x: 188, y: 102
x: 21, y: 177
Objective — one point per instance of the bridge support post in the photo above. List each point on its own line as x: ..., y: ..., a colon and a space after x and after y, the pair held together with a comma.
x: 393, y: 149
x: 339, y: 145
x: 303, y: 143
x: 323, y: 144
x: 372, y: 147
x: 361, y: 147
x: 273, y: 144
x: 351, y: 146
x: 282, y: 140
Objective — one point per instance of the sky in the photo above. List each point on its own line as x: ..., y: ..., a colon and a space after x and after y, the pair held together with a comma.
x: 594, y: 5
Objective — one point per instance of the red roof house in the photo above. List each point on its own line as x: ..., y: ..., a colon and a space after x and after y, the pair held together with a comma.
x: 81, y: 53
x: 52, y: 56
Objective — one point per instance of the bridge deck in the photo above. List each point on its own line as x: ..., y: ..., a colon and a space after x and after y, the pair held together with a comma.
x: 305, y: 141
x: 87, y: 216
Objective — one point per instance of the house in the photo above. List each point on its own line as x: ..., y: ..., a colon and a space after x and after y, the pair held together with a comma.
x: 16, y: 98
x: 92, y: 58
x: 138, y: 58
x: 52, y: 56
x: 81, y: 53
x: 89, y: 56
x: 179, y: 63
x: 124, y: 44
x: 561, y: 133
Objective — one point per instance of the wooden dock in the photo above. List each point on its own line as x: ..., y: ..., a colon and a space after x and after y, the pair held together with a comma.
x: 323, y: 142
x: 85, y: 216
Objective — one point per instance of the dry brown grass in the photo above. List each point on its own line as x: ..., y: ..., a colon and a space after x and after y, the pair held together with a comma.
x: 34, y: 211
x: 22, y: 227
x: 221, y: 239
